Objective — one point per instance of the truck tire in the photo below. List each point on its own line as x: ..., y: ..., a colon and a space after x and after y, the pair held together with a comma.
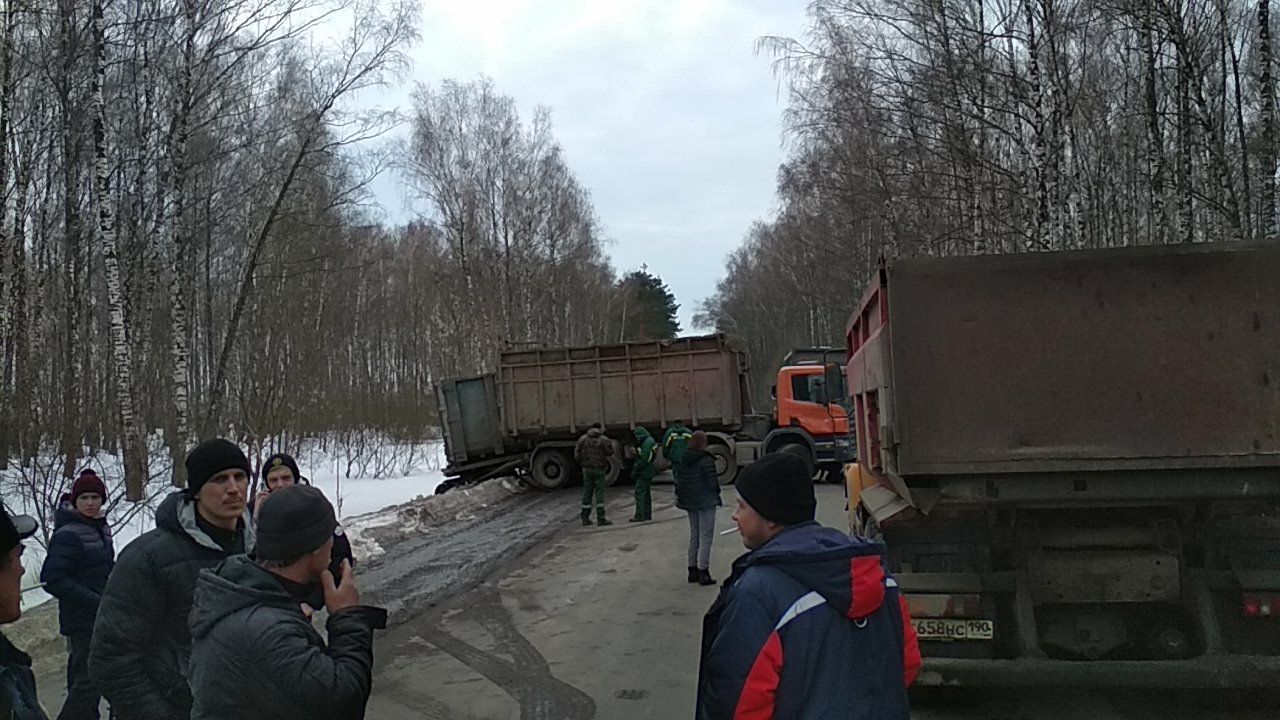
x: 726, y: 463
x: 800, y: 451
x: 614, y: 472
x: 552, y: 469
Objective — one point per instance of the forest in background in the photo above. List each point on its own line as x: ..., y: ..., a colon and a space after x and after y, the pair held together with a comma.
x: 957, y: 127
x: 189, y: 248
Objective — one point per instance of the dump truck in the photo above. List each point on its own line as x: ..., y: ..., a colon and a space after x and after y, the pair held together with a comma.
x: 1074, y: 461
x: 524, y: 419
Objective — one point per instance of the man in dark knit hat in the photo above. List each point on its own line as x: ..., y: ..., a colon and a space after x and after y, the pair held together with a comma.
x: 141, y: 640
x: 255, y: 652
x: 810, y: 625
x: 281, y: 471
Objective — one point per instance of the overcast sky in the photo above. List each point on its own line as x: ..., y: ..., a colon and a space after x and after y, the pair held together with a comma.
x: 664, y: 111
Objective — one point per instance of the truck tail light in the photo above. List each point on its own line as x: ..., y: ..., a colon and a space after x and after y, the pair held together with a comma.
x: 1261, y: 606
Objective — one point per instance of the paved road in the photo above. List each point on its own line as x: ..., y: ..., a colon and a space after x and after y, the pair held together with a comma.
x: 600, y: 623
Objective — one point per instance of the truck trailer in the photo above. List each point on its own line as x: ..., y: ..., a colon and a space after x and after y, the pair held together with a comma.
x: 524, y: 419
x: 1074, y: 461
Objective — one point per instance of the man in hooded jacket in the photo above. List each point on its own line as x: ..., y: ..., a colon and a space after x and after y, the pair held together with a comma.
x: 76, y: 567
x: 809, y: 625
x: 141, y: 640
x: 255, y: 654
x: 281, y: 471
x: 642, y: 472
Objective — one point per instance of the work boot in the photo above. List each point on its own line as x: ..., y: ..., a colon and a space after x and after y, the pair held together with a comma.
x: 636, y: 520
x: 704, y: 578
x: 693, y: 574
x: 586, y: 522
x: 602, y: 522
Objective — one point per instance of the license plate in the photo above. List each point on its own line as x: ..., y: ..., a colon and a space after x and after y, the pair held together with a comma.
x: 954, y: 629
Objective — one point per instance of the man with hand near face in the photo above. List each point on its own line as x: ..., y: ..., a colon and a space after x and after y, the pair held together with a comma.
x: 281, y: 471
x: 141, y: 640
x: 81, y: 556
x: 18, y: 699
x: 255, y: 653
x: 810, y: 624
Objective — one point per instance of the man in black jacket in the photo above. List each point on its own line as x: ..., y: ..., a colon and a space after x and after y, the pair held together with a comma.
x: 255, y: 653
x: 18, y: 699
x: 281, y: 471
x: 76, y: 568
x: 141, y: 640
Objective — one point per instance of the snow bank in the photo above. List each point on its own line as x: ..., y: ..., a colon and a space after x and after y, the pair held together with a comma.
x: 371, y: 533
x: 352, y: 497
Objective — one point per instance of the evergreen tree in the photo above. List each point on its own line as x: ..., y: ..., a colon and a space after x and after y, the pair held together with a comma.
x: 645, y: 308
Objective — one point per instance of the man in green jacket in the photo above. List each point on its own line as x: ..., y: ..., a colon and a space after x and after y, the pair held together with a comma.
x: 642, y: 471
x: 675, y: 441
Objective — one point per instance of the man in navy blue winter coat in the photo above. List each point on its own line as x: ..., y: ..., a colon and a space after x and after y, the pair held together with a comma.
x: 809, y: 625
x: 80, y: 560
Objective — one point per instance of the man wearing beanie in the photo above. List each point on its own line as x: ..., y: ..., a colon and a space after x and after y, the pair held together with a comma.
x: 79, y: 561
x: 255, y: 652
x: 809, y: 625
x: 141, y: 640
x: 281, y: 471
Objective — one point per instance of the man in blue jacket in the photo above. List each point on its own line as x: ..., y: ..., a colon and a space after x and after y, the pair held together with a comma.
x: 80, y: 560
x: 809, y: 625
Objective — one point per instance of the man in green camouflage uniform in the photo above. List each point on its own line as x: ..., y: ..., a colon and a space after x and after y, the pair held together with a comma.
x: 642, y: 471
x: 592, y: 453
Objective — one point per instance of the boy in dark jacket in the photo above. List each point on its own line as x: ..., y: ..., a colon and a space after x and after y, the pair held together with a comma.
x: 281, y: 471
x: 698, y: 494
x: 642, y: 472
x: 255, y: 653
x: 80, y: 559
x: 141, y: 640
x: 809, y: 625
x: 18, y: 700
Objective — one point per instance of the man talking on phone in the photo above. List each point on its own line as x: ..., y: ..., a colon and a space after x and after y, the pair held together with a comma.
x: 255, y: 654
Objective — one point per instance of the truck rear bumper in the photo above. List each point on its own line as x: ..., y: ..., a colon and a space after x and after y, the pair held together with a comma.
x: 1202, y: 673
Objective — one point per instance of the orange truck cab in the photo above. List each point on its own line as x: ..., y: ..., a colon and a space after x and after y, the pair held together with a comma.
x: 809, y: 416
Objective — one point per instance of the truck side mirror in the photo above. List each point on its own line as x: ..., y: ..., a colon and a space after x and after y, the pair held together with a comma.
x: 773, y: 392
x: 834, y: 376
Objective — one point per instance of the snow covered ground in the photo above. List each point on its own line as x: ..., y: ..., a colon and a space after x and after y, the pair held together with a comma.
x: 416, y: 477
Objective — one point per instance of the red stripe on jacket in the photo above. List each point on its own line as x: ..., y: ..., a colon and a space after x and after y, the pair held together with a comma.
x: 761, y: 687
x: 910, y: 645
x: 867, y: 586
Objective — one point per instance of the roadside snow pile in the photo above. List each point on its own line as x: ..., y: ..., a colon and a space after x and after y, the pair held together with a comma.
x: 370, y: 534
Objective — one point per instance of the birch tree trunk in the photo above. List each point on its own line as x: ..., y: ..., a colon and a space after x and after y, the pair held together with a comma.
x: 1266, y: 97
x: 135, y: 449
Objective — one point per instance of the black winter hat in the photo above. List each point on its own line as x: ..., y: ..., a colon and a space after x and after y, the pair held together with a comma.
x: 779, y: 487
x: 294, y: 521
x: 210, y: 458
x: 281, y: 460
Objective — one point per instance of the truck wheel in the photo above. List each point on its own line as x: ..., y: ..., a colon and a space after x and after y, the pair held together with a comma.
x: 551, y: 469
x: 614, y: 472
x: 726, y: 463
x: 800, y: 451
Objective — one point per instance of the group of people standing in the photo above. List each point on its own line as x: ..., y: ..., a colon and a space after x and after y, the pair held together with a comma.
x: 810, y: 623
x: 696, y: 481
x: 209, y: 615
